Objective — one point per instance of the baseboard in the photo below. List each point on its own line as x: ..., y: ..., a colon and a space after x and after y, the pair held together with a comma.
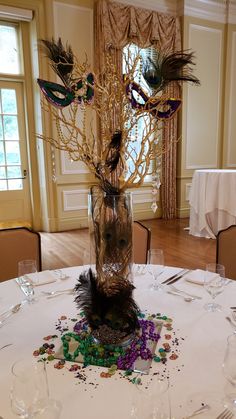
x: 183, y: 212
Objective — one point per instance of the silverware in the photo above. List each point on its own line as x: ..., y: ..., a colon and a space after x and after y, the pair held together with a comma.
x: 187, y: 299
x: 173, y: 277
x: 198, y: 411
x: 234, y: 315
x: 57, y: 292
x: 178, y: 277
x: 226, y: 414
x: 231, y: 322
x: 9, y: 312
x: 184, y: 292
x: 5, y: 346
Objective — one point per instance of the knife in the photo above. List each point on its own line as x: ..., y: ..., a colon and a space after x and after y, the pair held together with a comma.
x: 178, y: 277
x: 173, y: 276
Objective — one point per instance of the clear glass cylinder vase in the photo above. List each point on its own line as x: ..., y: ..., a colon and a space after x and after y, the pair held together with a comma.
x: 110, y: 226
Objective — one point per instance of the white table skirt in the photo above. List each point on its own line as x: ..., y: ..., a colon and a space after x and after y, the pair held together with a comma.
x: 212, y: 202
x: 200, y: 343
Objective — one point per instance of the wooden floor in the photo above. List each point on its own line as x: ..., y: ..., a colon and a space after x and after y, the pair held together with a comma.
x: 180, y: 248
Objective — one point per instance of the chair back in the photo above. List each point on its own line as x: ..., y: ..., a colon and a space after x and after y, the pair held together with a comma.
x: 226, y: 250
x: 18, y: 244
x: 141, y: 242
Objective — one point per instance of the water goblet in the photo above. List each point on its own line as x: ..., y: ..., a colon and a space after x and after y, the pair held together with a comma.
x: 26, y: 267
x: 214, y: 284
x: 229, y: 370
x: 156, y: 262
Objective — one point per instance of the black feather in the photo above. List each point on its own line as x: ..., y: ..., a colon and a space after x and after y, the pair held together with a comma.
x: 119, y: 312
x: 167, y: 68
x: 116, y: 140
x: 114, y: 151
x: 62, y: 59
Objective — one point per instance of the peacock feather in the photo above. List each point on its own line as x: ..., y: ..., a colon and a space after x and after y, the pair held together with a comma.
x: 169, y: 67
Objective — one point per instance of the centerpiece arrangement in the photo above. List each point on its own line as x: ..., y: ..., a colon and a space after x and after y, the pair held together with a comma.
x: 112, y: 124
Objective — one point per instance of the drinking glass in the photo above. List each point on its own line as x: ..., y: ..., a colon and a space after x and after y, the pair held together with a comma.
x: 27, y: 267
x: 214, y: 284
x: 229, y: 369
x: 29, y: 391
x: 156, y: 260
x: 152, y: 402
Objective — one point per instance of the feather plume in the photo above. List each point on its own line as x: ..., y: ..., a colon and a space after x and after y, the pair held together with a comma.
x: 167, y: 68
x: 114, y: 151
x: 62, y: 59
x: 118, y: 312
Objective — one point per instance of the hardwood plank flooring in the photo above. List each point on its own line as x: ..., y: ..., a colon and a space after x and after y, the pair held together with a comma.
x: 67, y: 248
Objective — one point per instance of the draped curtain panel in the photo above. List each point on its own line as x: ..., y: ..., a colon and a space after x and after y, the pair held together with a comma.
x: 117, y: 25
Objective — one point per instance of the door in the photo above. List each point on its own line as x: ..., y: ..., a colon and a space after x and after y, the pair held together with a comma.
x: 15, y: 206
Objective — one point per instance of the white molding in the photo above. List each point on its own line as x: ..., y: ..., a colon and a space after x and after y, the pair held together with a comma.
x: 142, y: 196
x: 206, y: 9
x: 231, y: 101
x: 201, y: 166
x: 15, y: 13
x: 79, y: 192
x: 65, y: 171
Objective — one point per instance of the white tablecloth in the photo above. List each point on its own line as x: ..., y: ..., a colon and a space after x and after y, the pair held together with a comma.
x: 212, y: 202
x: 198, y: 337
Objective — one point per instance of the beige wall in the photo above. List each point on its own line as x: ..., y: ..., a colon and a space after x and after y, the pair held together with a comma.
x: 208, y: 128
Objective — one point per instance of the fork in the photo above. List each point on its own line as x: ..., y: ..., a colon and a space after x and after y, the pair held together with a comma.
x: 226, y: 414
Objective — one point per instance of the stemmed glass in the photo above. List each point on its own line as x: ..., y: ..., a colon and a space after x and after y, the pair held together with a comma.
x: 156, y: 260
x: 214, y: 284
x: 26, y: 267
x: 229, y: 369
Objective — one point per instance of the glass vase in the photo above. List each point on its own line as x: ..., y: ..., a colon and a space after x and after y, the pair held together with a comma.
x: 110, y: 226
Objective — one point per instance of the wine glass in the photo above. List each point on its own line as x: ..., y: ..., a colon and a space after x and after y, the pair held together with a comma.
x: 214, y: 284
x: 156, y: 260
x: 229, y: 369
x: 29, y: 391
x: 26, y: 267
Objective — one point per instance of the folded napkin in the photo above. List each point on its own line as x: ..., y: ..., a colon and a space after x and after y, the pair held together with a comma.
x: 198, y: 276
x: 41, y: 278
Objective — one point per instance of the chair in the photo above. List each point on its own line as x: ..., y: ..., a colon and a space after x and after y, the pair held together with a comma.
x: 141, y: 242
x: 226, y: 250
x: 18, y: 244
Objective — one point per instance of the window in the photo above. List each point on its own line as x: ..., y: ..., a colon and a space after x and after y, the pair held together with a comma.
x: 129, y: 53
x: 9, y: 49
x: 10, y: 65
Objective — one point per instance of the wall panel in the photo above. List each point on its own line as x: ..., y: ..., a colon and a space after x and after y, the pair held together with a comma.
x: 203, y: 116
x: 230, y: 119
